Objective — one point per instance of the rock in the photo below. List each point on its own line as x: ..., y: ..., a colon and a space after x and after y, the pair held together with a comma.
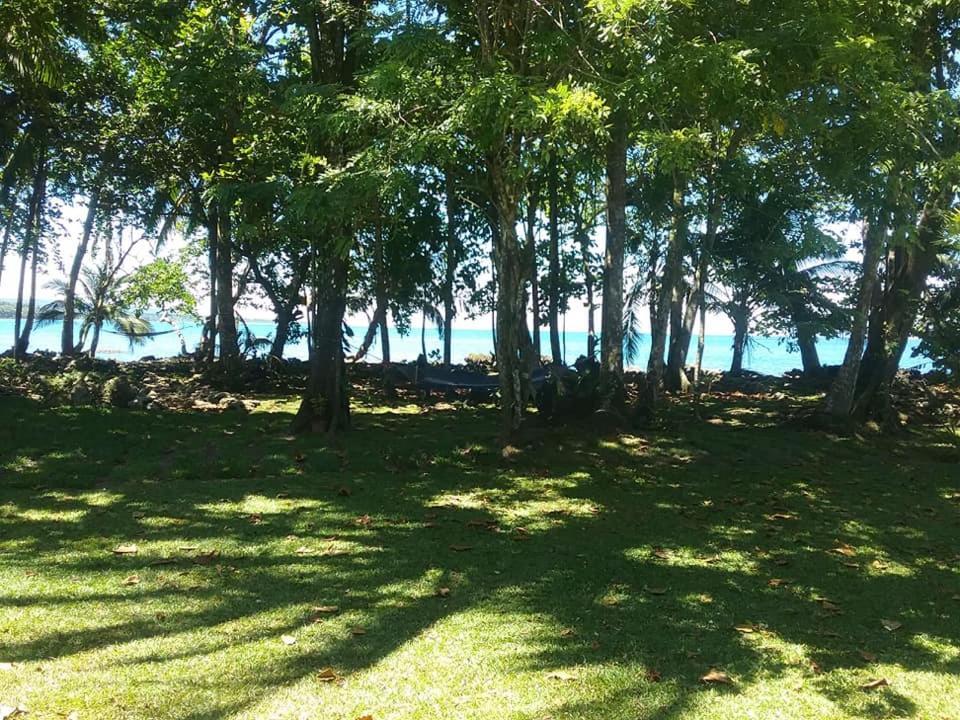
x: 83, y: 394
x: 118, y: 392
x: 231, y: 403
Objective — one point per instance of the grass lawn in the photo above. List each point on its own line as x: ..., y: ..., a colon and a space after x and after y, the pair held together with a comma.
x: 412, y: 572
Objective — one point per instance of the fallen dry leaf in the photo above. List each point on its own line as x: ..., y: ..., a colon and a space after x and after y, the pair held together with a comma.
x: 781, y: 516
x: 868, y: 656
x: 8, y: 711
x: 131, y: 580
x: 206, y: 558
x: 891, y: 625
x: 561, y: 675
x: 845, y: 550
x: 777, y: 582
x: 716, y: 677
x: 328, y: 675
x: 365, y: 717
x: 568, y: 632
x: 461, y: 548
x: 443, y: 592
x: 875, y: 684
x: 303, y: 550
x: 356, y: 631
x: 129, y: 549
x: 656, y: 590
x: 364, y: 521
x: 326, y: 609
x: 288, y: 640
x: 815, y: 667
x: 745, y: 629
x: 653, y: 675
x: 659, y: 552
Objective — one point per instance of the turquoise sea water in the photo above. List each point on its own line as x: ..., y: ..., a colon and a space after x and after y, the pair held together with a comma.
x: 770, y: 356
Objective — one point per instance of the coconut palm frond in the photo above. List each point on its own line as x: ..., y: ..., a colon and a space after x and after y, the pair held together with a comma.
x: 136, y: 330
x: 632, y: 335
x: 50, y: 313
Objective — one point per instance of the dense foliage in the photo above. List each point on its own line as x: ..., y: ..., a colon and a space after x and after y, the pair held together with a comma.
x: 435, y: 159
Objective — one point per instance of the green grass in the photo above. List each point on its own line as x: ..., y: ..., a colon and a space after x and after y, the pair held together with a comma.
x: 595, y: 566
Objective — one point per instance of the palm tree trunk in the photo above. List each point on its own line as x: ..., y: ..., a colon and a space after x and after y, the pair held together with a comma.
x: 611, y: 322
x: 67, y: 347
x: 95, y: 342
x: 385, y: 339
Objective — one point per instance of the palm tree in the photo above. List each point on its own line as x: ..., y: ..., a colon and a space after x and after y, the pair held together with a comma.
x: 100, y: 302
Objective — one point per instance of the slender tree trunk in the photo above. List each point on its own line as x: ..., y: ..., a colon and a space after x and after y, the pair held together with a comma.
x: 671, y: 277
x: 67, y: 347
x: 7, y: 232
x: 450, y: 274
x: 384, y: 339
x: 509, y: 271
x: 208, y: 344
x: 741, y: 328
x: 839, y: 401
x: 588, y: 282
x: 611, y: 328
x: 553, y: 300
x: 226, y: 316
x: 31, y: 245
x: 531, y: 231
x: 95, y: 342
x: 675, y: 379
x: 423, y: 334
x: 701, y: 343
x: 376, y: 325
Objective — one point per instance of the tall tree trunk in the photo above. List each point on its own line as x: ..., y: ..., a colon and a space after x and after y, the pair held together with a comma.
x: 384, y: 339
x: 807, y: 343
x: 611, y: 327
x: 511, y: 305
x: 31, y: 245
x: 671, y: 277
x: 7, y: 232
x: 588, y: 281
x: 553, y: 300
x: 531, y: 231
x: 67, y: 347
x: 839, y: 401
x: 95, y: 342
x: 209, y: 341
x: 376, y: 325
x: 450, y: 270
x: 907, y: 280
x: 741, y: 329
x: 675, y: 378
x: 226, y: 316
x: 701, y: 343
x: 325, y: 406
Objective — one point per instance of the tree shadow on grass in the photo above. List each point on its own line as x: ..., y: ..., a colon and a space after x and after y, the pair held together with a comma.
x: 650, y: 550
